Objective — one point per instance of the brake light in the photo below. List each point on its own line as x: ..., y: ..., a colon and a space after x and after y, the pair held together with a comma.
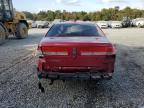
x: 95, y: 53
x: 111, y: 50
x: 39, y: 53
x: 56, y: 53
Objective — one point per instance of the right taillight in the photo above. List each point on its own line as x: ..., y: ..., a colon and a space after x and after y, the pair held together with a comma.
x: 110, y: 51
x: 95, y: 53
x: 107, y: 50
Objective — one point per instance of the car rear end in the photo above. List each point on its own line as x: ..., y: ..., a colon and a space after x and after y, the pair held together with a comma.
x: 76, y: 58
x: 116, y: 24
x: 103, y: 24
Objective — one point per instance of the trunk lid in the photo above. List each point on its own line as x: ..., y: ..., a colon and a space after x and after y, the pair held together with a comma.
x: 57, y: 40
x: 75, y: 51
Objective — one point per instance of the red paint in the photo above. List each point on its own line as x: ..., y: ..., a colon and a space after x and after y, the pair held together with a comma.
x: 74, y: 61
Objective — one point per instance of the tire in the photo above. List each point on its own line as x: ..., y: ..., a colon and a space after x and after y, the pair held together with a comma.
x: 21, y: 31
x: 2, y: 34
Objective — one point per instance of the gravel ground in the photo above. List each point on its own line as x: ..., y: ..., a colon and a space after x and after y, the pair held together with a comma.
x: 18, y: 81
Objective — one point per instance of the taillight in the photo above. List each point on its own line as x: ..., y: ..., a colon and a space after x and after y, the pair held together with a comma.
x: 111, y: 50
x: 95, y: 53
x: 56, y: 53
x: 39, y: 53
x: 107, y: 50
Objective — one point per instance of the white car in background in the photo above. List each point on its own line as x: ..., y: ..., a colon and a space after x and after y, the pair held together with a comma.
x: 42, y: 24
x: 102, y: 24
x: 116, y: 24
x: 133, y: 22
x: 55, y: 22
x: 140, y: 23
x: 34, y: 24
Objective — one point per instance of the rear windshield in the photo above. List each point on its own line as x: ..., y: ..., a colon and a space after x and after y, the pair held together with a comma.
x: 73, y: 30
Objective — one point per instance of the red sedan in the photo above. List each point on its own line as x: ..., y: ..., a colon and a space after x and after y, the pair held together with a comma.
x: 75, y: 50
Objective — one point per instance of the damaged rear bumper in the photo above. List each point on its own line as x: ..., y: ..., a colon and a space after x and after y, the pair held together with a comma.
x: 74, y: 75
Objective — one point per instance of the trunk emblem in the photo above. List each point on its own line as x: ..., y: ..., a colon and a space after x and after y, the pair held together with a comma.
x: 74, y: 52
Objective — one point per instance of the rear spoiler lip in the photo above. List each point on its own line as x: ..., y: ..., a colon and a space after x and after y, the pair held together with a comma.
x: 46, y: 44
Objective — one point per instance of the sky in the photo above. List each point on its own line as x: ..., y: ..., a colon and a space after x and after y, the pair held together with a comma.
x: 74, y: 5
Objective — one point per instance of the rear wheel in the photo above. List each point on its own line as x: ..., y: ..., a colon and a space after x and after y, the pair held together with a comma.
x: 2, y: 34
x: 21, y: 31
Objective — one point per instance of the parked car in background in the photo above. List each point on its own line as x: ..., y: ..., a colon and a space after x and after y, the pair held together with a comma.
x: 75, y: 50
x: 140, y: 22
x: 42, y: 24
x: 126, y: 22
x: 55, y: 22
x: 133, y: 22
x: 34, y: 24
x: 102, y: 24
x: 116, y: 24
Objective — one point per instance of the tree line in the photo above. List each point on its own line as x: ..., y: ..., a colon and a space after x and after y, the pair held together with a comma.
x: 104, y: 14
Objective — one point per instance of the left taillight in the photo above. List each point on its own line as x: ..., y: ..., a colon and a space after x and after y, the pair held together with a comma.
x: 55, y: 53
x: 39, y: 53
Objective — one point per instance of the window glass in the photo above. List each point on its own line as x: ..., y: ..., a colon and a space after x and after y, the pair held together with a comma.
x: 6, y: 5
x: 74, y: 30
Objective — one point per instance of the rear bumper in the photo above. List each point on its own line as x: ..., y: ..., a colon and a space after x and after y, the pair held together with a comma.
x: 105, y: 71
x: 116, y: 26
x: 74, y: 75
x: 104, y: 27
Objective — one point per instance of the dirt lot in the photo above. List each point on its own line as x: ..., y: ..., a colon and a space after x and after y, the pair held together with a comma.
x: 18, y: 81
